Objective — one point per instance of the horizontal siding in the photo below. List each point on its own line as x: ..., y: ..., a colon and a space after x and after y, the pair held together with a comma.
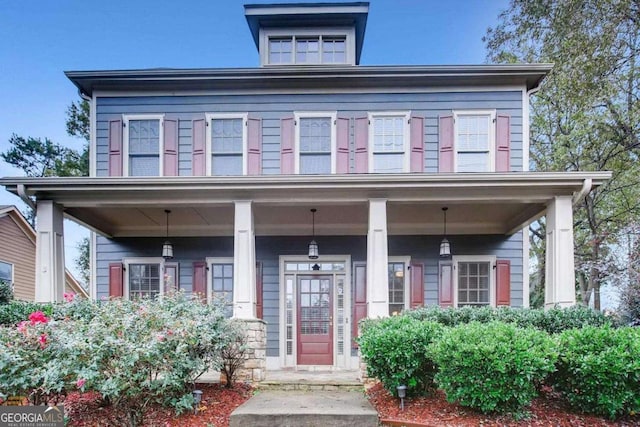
x: 272, y: 108
x: 422, y: 249
x: 19, y: 250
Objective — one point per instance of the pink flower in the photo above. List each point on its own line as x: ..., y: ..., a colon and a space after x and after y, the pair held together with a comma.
x: 37, y: 317
x: 69, y: 297
x: 160, y: 337
x: 22, y: 326
x: 80, y: 383
x: 43, y: 340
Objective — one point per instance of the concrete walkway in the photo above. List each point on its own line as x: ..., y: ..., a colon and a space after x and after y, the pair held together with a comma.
x: 273, y: 408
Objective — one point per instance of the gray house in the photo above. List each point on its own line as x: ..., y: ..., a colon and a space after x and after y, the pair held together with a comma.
x: 312, y: 191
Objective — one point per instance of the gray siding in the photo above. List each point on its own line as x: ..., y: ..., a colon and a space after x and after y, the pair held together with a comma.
x: 271, y: 108
x: 422, y: 249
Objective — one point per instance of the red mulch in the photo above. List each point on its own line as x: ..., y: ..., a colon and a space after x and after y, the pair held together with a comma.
x: 546, y: 410
x: 217, y: 404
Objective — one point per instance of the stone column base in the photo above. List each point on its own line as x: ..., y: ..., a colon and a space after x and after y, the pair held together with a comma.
x: 255, y: 365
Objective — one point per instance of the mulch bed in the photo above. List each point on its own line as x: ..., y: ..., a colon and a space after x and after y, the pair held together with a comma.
x: 546, y: 410
x: 218, y: 402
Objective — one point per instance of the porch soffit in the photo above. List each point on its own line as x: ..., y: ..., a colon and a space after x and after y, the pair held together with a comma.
x: 479, y: 203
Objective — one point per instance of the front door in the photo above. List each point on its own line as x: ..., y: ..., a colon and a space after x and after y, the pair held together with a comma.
x: 315, y: 320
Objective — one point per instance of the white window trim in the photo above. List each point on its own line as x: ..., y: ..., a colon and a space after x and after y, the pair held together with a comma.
x: 347, y: 32
x: 125, y: 140
x: 209, y: 135
x: 406, y: 163
x: 491, y: 259
x: 407, y: 278
x: 492, y: 135
x: 310, y: 115
x: 142, y: 260
x: 210, y: 262
x: 13, y: 270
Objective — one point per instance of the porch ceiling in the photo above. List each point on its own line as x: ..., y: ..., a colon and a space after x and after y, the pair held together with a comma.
x: 203, y: 206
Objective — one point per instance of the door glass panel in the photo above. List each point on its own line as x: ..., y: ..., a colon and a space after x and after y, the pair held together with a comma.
x: 315, y: 307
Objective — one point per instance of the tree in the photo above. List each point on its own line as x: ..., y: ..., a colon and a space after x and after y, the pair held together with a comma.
x: 83, y: 260
x: 586, y: 115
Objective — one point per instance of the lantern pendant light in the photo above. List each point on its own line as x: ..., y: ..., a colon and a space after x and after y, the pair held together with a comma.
x: 313, y: 246
x: 445, y: 246
x: 167, y: 247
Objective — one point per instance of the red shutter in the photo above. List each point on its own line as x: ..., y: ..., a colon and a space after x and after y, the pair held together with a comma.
x: 416, y: 294
x: 200, y: 280
x: 288, y: 137
x: 446, y: 149
x: 259, y: 296
x: 445, y: 290
x: 362, y: 145
x: 417, y: 144
x: 199, y: 164
x: 115, y: 148
x: 359, y: 297
x: 254, y: 146
x: 116, y: 279
x: 342, y: 145
x: 503, y: 282
x: 170, y: 147
x: 503, y: 142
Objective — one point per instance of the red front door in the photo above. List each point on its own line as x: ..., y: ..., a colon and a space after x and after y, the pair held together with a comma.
x: 315, y: 320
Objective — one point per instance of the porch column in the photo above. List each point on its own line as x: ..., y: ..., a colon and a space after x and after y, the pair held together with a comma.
x: 377, y: 260
x: 560, y: 273
x: 49, y: 252
x: 244, y: 262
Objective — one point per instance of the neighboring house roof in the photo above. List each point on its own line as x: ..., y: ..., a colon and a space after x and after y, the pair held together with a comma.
x: 71, y: 283
x: 295, y: 78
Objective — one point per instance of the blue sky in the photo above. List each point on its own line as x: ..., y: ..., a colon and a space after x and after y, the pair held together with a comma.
x: 39, y: 39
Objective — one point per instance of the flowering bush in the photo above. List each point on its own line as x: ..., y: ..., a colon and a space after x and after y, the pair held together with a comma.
x: 134, y: 353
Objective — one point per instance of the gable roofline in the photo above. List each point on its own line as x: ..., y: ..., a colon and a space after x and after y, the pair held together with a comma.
x: 19, y: 219
x: 303, y: 77
x: 290, y: 15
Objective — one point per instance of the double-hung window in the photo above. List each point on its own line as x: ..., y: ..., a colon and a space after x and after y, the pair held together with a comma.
x: 6, y: 272
x: 474, y: 280
x: 144, y: 277
x: 398, y: 284
x: 316, y: 143
x: 220, y: 282
x: 143, y: 145
x: 389, y: 142
x: 226, y: 144
x: 474, y: 141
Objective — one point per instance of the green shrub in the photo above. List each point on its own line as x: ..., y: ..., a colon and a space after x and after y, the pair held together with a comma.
x: 599, y: 370
x: 552, y: 321
x: 396, y: 352
x: 6, y: 292
x: 16, y: 311
x: 493, y: 367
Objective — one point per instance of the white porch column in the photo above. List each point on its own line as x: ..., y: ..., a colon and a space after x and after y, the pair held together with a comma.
x: 49, y: 252
x: 244, y: 262
x: 377, y: 260
x: 560, y: 272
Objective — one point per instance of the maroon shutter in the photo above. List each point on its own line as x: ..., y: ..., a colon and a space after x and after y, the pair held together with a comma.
x: 170, y: 147
x: 445, y: 290
x: 362, y: 144
x: 503, y: 282
x: 342, y: 145
x: 259, y: 297
x: 116, y: 279
x: 288, y: 136
x: 254, y: 146
x: 417, y: 144
x: 446, y: 149
x: 115, y: 147
x: 200, y: 280
x: 416, y: 293
x: 199, y: 164
x: 359, y: 297
x: 503, y: 142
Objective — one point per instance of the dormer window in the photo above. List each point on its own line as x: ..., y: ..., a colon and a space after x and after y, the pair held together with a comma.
x: 306, y: 49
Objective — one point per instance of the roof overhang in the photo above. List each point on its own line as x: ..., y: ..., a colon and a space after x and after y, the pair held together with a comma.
x: 494, y: 203
x: 308, y: 15
x: 297, y: 78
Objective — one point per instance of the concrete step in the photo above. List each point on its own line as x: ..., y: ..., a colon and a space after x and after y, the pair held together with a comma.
x: 310, y: 385
x: 297, y: 408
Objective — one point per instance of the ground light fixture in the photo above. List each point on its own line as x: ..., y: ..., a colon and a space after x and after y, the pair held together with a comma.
x: 445, y: 246
x: 197, y: 398
x: 313, y: 246
x: 167, y: 247
x: 402, y: 393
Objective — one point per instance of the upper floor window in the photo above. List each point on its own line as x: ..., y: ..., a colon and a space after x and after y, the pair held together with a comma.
x: 334, y: 50
x: 220, y: 282
x: 227, y: 142
x: 307, y: 46
x: 6, y: 272
x: 389, y: 142
x: 143, y: 145
x: 474, y: 141
x: 315, y: 143
x: 280, y: 50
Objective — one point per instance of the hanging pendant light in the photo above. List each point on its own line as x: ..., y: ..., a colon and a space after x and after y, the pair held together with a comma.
x: 167, y: 247
x: 313, y: 246
x: 445, y: 246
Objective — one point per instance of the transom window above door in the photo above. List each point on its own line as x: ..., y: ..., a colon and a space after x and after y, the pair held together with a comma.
x: 143, y: 145
x: 389, y: 142
x: 226, y: 146
x: 316, y: 139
